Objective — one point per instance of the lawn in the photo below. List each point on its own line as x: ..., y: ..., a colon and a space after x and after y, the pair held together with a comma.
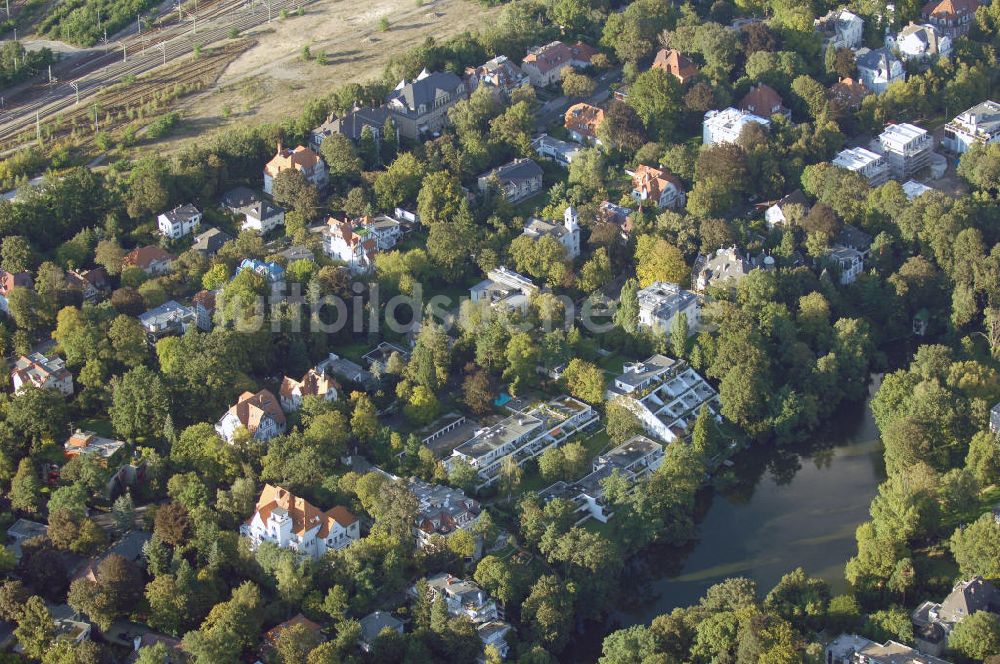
x: 354, y: 351
x: 594, y: 444
x: 100, y: 426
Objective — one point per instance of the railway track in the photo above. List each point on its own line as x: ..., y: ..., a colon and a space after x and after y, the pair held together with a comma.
x: 135, y: 57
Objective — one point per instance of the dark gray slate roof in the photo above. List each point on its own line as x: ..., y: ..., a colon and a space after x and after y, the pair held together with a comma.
x: 426, y: 90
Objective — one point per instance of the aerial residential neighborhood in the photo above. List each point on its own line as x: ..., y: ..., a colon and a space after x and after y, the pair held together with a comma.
x: 483, y: 331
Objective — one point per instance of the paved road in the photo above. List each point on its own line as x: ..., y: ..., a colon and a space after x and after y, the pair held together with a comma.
x: 553, y: 111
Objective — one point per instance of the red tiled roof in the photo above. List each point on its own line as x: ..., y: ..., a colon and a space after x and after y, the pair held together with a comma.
x: 584, y: 119
x: 675, y: 63
x: 143, y: 257
x: 761, y: 100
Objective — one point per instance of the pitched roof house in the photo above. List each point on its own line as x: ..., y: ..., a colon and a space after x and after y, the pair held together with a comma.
x: 762, y: 100
x: 352, y: 124
x: 292, y: 522
x: 259, y: 413
x: 150, y: 259
x: 544, y: 64
x: 421, y: 106
x: 374, y: 624
x: 582, y: 121
x: 659, y: 187
x: 301, y: 159
x: 314, y: 383
x: 11, y: 280
x: 518, y: 180
x: 952, y: 17
x: 779, y: 212
x: 919, y: 42
x: 258, y: 214
x: 91, y: 283
x: 878, y: 68
x: 675, y: 63
x: 726, y: 266
x: 346, y: 242
x: 840, y: 29
x: 37, y: 370
x: 441, y: 510
x: 210, y: 241
x: 180, y: 221
x: 498, y: 74
x: 848, y: 93
x: 934, y: 622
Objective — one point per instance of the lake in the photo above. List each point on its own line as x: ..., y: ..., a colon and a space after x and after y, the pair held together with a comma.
x: 785, y: 508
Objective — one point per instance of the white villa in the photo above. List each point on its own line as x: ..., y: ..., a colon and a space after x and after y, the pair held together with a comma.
x: 873, y: 166
x: 665, y: 394
x: 291, y: 522
x: 37, y: 370
x: 180, y: 221
x: 726, y: 126
x: 979, y: 124
x: 260, y: 414
x: 506, y: 289
x: 314, y: 383
x: 567, y: 233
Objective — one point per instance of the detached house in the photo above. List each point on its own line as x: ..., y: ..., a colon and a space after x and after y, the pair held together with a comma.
x: 301, y: 159
x: 259, y: 413
x: 934, y: 622
x: 258, y: 214
x: 441, y: 510
x: 919, y: 43
x: 780, y: 211
x: 499, y: 75
x: 952, y: 17
x: 517, y: 180
x: 847, y: 94
x: 980, y: 124
x: 506, y: 289
x: 344, y: 241
x: 9, y: 281
x: 421, y: 106
x: 840, y: 29
x: 660, y: 188
x: 291, y: 522
x: 673, y: 62
x: 92, y: 284
x: 150, y: 259
x: 544, y: 64
x: 168, y: 319
x: 567, y: 233
x: 463, y: 598
x: 314, y: 383
x: 763, y: 101
x: 727, y: 125
x: 210, y: 241
x: 582, y: 122
x: 854, y: 649
x: 37, y: 370
x: 181, y: 221
x: 561, y: 152
x: 725, y: 267
x: 878, y: 69
x: 352, y: 124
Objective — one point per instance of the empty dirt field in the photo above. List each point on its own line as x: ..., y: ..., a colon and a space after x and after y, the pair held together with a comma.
x: 272, y: 81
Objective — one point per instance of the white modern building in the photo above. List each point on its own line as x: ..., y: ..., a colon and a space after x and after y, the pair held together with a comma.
x: 907, y: 149
x: 567, y: 233
x: 505, y: 289
x: 854, y: 649
x: 661, y: 302
x: 666, y: 395
x: 291, y: 522
x: 463, y: 598
x: 561, y: 152
x: 873, y: 166
x: 523, y: 436
x: 170, y: 318
x: 44, y: 373
x: 980, y: 124
x: 633, y: 460
x: 181, y: 221
x: 726, y: 126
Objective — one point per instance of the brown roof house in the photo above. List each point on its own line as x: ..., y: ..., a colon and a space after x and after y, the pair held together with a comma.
x: 661, y: 188
x: 260, y: 414
x: 150, y: 259
x: 91, y: 283
x: 848, y: 93
x: 314, y: 383
x: 291, y: 522
x: 8, y: 282
x: 37, y: 370
x: 544, y: 65
x: 272, y: 635
x: 301, y: 159
x: 676, y: 64
x: 762, y: 100
x: 952, y: 18
x: 582, y: 121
